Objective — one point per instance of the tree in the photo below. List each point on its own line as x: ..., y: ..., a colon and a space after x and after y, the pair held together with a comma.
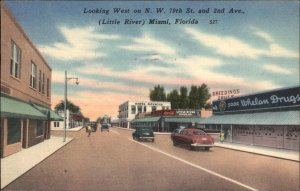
x: 71, y: 106
x: 184, y: 102
x: 174, y: 98
x: 193, y: 98
x: 204, y: 95
x: 157, y: 94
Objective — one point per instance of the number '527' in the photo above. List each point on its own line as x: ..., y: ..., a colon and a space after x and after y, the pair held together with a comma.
x: 213, y: 21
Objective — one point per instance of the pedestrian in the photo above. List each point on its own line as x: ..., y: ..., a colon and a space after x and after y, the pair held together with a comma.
x: 89, y: 130
x: 221, y: 136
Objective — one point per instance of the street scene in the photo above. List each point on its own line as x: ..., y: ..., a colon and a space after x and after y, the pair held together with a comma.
x: 141, y: 95
x: 114, y: 161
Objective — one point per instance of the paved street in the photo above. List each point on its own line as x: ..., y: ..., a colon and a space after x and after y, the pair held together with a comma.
x: 112, y: 161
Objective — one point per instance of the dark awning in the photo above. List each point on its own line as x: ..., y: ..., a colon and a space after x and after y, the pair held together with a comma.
x: 11, y: 107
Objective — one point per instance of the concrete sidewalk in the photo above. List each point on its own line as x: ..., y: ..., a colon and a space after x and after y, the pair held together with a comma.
x: 19, y: 163
x: 62, y: 129
x: 267, y: 151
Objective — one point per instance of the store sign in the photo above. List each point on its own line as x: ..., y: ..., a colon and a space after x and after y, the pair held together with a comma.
x: 187, y: 112
x: 163, y: 113
x: 270, y: 100
x: 225, y: 94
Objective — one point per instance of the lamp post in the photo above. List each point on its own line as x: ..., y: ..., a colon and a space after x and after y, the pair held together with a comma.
x: 65, y: 102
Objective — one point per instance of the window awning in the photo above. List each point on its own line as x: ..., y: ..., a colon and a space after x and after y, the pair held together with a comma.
x: 11, y: 107
x: 47, y: 111
x: 146, y: 119
x: 183, y: 119
x: 264, y: 118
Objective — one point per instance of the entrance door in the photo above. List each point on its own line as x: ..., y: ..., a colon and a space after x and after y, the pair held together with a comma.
x: 227, y: 129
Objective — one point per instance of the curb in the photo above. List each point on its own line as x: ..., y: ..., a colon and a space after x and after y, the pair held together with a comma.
x: 38, y: 163
x: 252, y: 152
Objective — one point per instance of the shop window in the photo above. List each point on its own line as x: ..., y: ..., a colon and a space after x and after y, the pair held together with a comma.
x: 14, y: 130
x: 39, y: 128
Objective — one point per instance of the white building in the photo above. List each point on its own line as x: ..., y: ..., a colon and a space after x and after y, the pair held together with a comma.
x: 129, y: 109
x: 70, y: 120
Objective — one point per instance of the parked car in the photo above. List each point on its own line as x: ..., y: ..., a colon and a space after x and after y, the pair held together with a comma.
x: 143, y: 134
x: 193, y: 138
x: 104, y: 127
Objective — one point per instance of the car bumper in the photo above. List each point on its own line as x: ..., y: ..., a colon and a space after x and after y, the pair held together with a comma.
x: 201, y: 145
x: 152, y: 138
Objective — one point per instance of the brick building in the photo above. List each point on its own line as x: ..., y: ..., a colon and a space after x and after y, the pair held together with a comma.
x: 25, y: 89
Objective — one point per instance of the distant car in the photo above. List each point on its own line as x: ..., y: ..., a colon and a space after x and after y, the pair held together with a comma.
x: 193, y: 138
x: 143, y: 134
x: 104, y: 127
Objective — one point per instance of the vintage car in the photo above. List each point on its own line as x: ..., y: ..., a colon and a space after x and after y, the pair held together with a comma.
x: 143, y: 134
x: 104, y: 127
x: 193, y: 138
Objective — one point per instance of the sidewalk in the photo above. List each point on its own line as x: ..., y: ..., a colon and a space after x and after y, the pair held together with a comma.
x: 62, y: 129
x: 19, y: 163
x: 267, y: 151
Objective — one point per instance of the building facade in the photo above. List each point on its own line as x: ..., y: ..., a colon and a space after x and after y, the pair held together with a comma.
x: 270, y: 119
x: 25, y: 89
x: 72, y: 120
x: 129, y: 109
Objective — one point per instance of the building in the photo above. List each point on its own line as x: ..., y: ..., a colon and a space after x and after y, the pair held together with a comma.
x: 129, y: 109
x: 72, y: 120
x: 25, y: 89
x: 171, y: 119
x: 270, y: 119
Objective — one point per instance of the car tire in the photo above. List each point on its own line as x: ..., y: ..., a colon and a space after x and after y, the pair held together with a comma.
x: 207, y: 148
x: 174, y: 143
x: 152, y: 140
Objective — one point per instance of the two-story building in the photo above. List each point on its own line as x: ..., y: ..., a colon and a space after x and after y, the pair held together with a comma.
x: 25, y: 89
x: 129, y: 109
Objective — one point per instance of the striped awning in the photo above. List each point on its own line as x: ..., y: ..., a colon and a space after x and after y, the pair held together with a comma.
x: 183, y: 119
x: 11, y: 107
x: 264, y: 118
x: 146, y: 119
x: 47, y: 111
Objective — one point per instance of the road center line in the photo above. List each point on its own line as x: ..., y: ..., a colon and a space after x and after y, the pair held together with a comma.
x: 197, y: 166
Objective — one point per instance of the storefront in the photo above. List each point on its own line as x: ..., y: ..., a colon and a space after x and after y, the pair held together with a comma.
x: 268, y: 119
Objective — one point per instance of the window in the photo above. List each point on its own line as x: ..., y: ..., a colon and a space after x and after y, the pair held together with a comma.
x: 33, y: 76
x: 133, y: 109
x: 40, y: 81
x: 15, y: 60
x: 48, y: 87
x: 140, y: 109
x: 40, y: 128
x: 153, y: 108
x: 43, y: 84
x: 14, y: 130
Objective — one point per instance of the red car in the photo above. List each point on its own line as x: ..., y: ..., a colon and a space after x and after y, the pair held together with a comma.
x: 192, y: 137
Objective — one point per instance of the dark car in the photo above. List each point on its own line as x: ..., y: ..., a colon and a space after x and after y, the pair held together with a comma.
x: 104, y: 127
x: 193, y: 138
x: 143, y: 134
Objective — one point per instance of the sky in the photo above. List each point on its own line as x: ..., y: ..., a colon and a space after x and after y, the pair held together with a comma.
x: 253, y: 49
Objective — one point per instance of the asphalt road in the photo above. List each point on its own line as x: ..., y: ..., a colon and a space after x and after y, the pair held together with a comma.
x: 113, y: 161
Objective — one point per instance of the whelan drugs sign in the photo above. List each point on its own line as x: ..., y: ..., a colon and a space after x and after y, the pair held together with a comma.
x: 276, y: 99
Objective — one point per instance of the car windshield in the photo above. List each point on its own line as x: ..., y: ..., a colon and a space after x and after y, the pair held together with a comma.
x: 199, y: 133
x: 145, y: 130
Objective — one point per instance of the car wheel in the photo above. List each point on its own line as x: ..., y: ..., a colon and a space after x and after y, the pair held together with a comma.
x: 191, y: 148
x: 174, y: 143
x: 207, y: 148
x: 153, y: 140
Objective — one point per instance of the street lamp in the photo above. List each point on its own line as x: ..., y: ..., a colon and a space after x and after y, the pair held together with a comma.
x: 65, y: 103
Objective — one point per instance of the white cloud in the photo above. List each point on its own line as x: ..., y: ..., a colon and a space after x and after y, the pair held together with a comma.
x: 81, y: 44
x: 149, y: 44
x: 267, y: 37
x: 273, y: 68
x: 233, y: 47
